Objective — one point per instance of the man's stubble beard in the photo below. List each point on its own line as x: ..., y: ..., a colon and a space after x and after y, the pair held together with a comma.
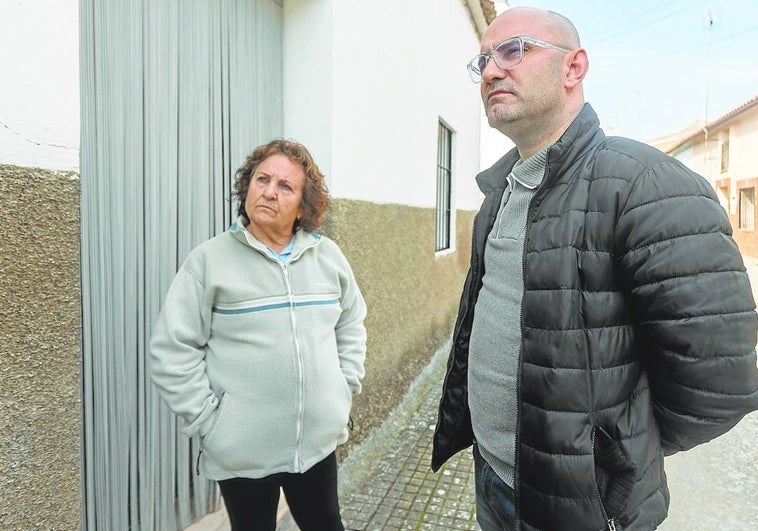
x: 505, y: 119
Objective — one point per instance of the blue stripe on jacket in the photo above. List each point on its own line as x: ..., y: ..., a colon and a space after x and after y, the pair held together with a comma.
x: 277, y: 306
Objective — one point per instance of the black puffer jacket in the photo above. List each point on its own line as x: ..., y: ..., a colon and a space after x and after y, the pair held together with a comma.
x: 638, y: 329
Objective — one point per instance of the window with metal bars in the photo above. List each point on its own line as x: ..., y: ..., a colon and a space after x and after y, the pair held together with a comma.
x: 747, y: 209
x: 444, y: 179
x: 725, y: 156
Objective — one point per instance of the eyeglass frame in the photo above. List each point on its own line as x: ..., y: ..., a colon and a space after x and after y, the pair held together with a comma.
x: 472, y: 67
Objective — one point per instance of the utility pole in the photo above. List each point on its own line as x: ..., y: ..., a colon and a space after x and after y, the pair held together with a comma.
x: 706, y: 148
x: 708, y: 64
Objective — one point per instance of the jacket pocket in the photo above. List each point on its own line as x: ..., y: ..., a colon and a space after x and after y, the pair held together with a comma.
x: 615, y: 476
x: 227, y: 441
x: 222, y: 401
x: 213, y: 418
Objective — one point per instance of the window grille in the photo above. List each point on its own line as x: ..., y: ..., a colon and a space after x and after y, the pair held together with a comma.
x: 725, y: 156
x: 444, y: 178
x: 747, y: 209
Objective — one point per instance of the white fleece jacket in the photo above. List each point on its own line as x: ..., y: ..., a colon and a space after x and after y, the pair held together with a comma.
x: 260, y: 358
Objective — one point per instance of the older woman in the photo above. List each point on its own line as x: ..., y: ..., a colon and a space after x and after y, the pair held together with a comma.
x: 260, y: 346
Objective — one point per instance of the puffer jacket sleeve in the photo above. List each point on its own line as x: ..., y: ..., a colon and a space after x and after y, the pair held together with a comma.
x: 691, y: 301
x: 177, y: 355
x: 350, y: 330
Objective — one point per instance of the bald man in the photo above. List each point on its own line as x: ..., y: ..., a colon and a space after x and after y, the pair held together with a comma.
x: 607, y: 319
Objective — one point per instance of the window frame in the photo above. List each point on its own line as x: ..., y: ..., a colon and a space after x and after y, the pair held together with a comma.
x: 725, y: 156
x: 747, y: 209
x: 443, y: 207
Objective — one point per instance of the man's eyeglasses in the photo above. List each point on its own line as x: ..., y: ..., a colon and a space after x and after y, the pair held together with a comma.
x: 506, y: 55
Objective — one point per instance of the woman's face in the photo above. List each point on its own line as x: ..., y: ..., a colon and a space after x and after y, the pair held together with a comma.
x: 274, y: 195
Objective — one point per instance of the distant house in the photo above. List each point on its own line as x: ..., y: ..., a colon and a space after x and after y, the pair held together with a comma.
x: 666, y: 142
x: 724, y: 151
x: 172, y: 96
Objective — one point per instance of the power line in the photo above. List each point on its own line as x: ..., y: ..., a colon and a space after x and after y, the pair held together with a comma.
x: 680, y: 51
x: 654, y: 21
x: 639, y: 16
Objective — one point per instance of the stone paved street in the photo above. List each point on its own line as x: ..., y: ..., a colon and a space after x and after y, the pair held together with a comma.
x: 388, y: 483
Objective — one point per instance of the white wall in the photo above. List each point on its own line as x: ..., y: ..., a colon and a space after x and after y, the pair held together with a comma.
x: 396, y: 68
x: 308, y: 78
x: 743, y: 157
x: 39, y: 94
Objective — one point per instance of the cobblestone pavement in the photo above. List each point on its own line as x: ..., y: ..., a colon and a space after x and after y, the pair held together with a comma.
x: 387, y: 482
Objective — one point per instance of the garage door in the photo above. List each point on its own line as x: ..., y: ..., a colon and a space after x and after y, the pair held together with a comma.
x: 174, y: 94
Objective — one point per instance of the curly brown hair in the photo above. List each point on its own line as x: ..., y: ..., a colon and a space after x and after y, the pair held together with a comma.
x: 315, y: 200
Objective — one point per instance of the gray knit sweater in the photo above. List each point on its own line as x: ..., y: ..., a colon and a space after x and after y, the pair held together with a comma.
x: 496, y: 332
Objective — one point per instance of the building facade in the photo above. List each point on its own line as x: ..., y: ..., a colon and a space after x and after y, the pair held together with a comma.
x: 723, y: 152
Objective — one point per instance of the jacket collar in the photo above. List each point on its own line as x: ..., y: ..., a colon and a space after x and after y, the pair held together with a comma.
x: 303, y: 239
x: 583, y: 133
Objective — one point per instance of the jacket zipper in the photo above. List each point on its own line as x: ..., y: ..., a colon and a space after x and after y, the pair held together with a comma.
x: 298, y: 352
x: 299, y: 362
x: 516, y: 471
x: 612, y: 520
x: 298, y: 464
x: 529, y: 213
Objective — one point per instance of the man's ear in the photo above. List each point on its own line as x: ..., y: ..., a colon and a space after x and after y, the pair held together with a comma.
x: 578, y: 65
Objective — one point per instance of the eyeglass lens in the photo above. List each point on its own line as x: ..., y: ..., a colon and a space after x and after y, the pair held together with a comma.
x: 506, y: 55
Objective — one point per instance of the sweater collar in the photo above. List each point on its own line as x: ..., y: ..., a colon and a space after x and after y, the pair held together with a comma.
x: 530, y: 172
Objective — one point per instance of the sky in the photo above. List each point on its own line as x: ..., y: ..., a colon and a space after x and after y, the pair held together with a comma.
x: 657, y: 67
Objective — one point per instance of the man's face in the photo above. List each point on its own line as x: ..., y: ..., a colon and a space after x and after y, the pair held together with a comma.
x: 274, y: 195
x: 531, y: 89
